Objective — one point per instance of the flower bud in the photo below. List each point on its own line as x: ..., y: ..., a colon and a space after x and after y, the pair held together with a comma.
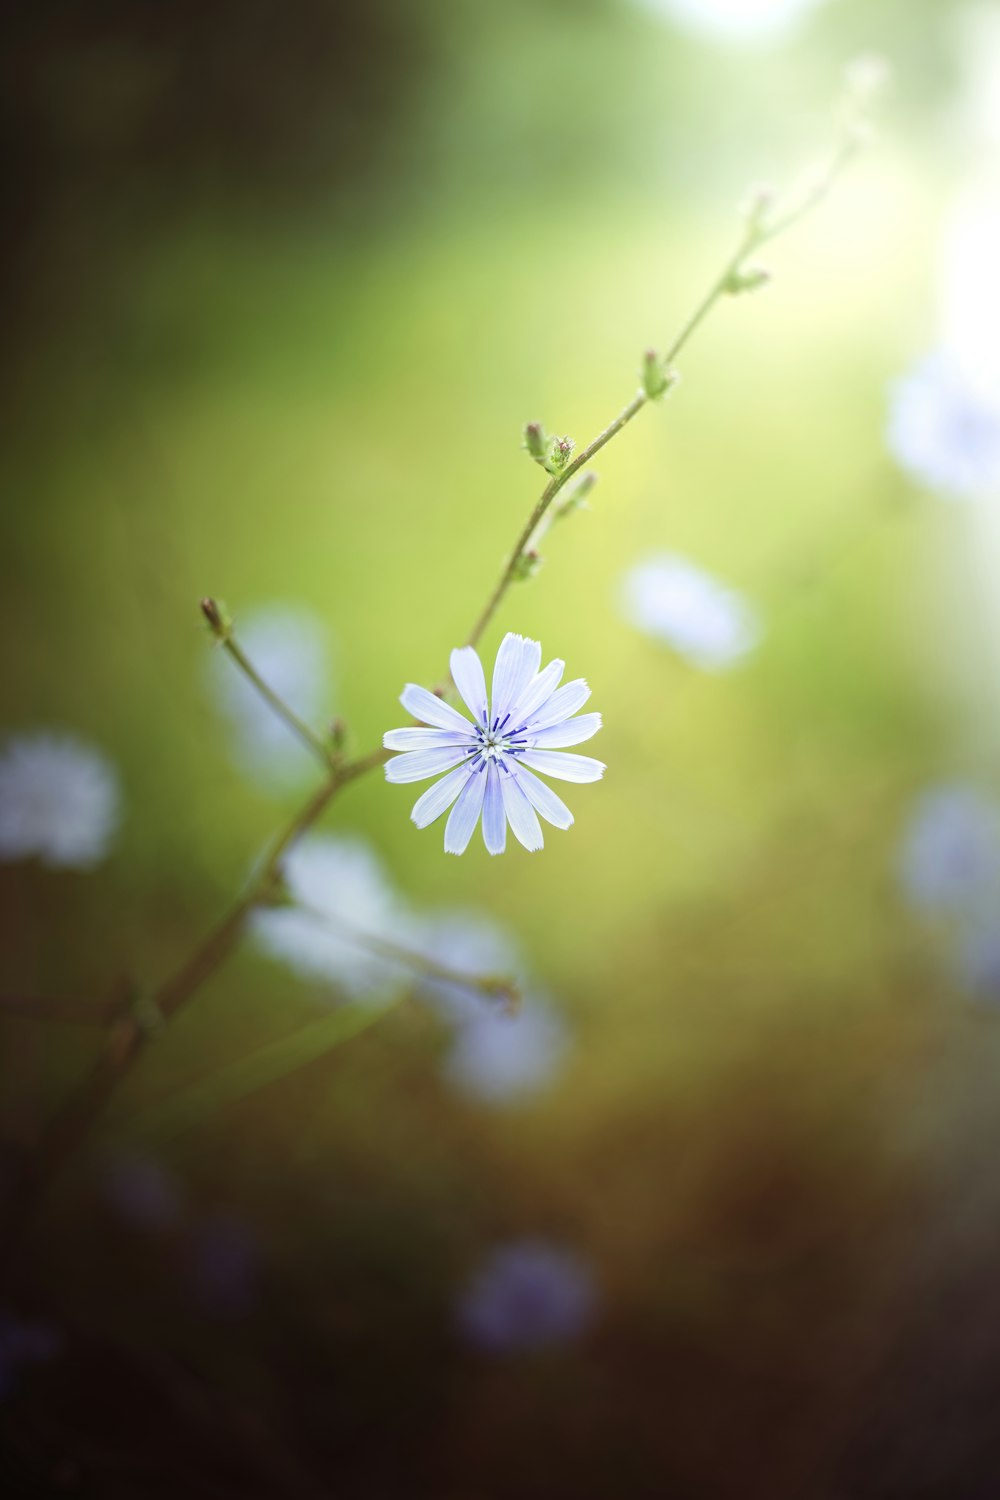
x: 338, y: 733
x: 656, y: 378
x: 527, y: 565
x: 218, y: 618
x: 747, y: 279
x: 558, y: 452
x: 534, y: 441
x: 757, y: 206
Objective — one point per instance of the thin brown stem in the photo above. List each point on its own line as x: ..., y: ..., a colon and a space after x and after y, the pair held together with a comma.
x: 409, y: 958
x: 308, y: 736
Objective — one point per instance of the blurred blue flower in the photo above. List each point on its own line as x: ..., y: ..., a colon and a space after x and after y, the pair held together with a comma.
x: 287, y: 644
x: 949, y: 858
x: 225, y: 1265
x: 527, y: 722
x: 23, y: 1344
x: 944, y: 427
x: 59, y: 800
x: 498, y: 1059
x: 142, y: 1193
x: 345, y: 896
x: 472, y: 944
x: 707, y: 623
x: 528, y: 1295
x: 979, y: 960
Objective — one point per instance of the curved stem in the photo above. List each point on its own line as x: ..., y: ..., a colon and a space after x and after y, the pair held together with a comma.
x: 128, y: 1034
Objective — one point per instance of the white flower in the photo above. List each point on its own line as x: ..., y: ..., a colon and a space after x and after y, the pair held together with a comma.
x: 287, y: 645
x: 944, y: 427
x: 344, y: 898
x: 527, y: 1295
x: 524, y: 727
x: 468, y: 943
x: 498, y: 1058
x: 950, y: 851
x: 703, y: 620
x: 978, y: 960
x: 733, y: 19
x: 59, y: 800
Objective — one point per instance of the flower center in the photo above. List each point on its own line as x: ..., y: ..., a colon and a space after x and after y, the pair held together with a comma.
x: 495, y: 741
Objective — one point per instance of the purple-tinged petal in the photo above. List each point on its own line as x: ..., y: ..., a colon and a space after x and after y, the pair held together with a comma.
x: 430, y: 709
x: 569, y: 732
x: 562, y: 705
x: 542, y: 798
x: 494, y: 818
x: 426, y: 739
x: 439, y: 797
x: 538, y: 692
x: 563, y: 765
x: 517, y: 662
x: 467, y: 675
x: 465, y: 814
x: 520, y: 813
x: 418, y: 765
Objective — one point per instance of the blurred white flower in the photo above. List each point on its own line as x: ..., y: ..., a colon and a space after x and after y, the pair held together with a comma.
x: 970, y: 307
x: 949, y: 857
x: 978, y: 94
x: 499, y: 1058
x: 527, y: 1295
x: 669, y: 598
x: 944, y: 427
x: 287, y: 644
x: 59, y: 800
x: 342, y: 877
x: 736, y: 20
x: 978, y: 960
x: 469, y: 943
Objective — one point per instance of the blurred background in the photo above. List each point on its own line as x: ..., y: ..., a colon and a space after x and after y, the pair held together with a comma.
x: 717, y: 1214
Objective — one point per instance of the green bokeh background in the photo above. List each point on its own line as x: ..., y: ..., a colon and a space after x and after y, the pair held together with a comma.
x: 285, y: 289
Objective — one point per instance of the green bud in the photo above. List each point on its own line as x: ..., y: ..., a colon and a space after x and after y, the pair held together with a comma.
x: 527, y: 565
x: 218, y: 618
x: 558, y: 452
x: 534, y: 441
x: 758, y: 205
x: 147, y: 1016
x: 338, y: 733
x: 656, y: 378
x: 747, y: 279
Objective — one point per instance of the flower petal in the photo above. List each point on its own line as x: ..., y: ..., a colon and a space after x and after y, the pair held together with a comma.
x: 439, y: 797
x: 494, y: 818
x: 538, y: 691
x: 542, y: 798
x: 567, y: 701
x: 563, y: 765
x: 417, y: 765
x: 569, y: 732
x: 430, y: 709
x: 520, y: 813
x: 517, y: 662
x: 427, y: 739
x: 465, y: 814
x: 467, y: 675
